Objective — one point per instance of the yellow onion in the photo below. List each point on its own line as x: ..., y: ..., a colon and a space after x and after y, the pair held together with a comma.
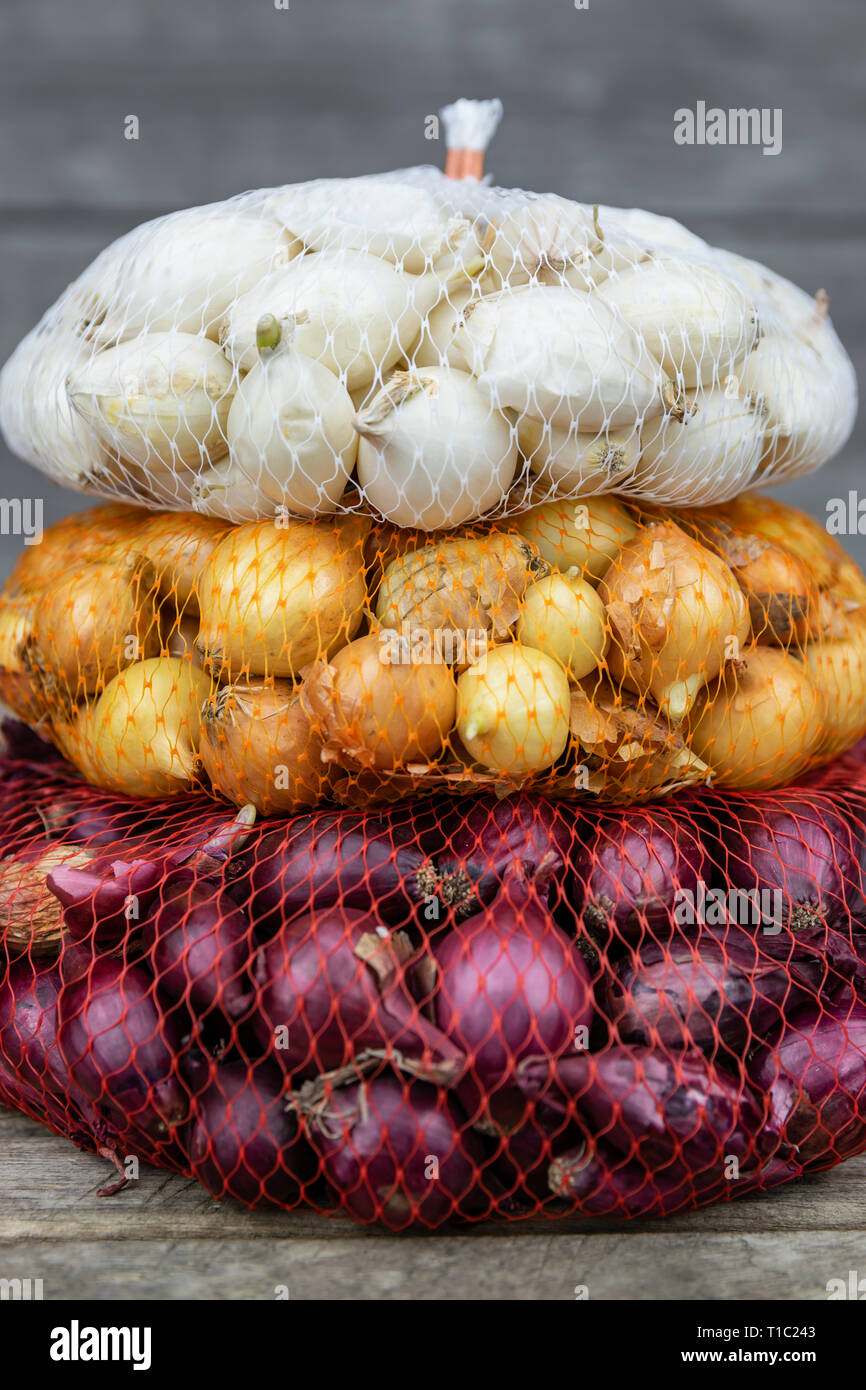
x: 380, y: 705
x: 83, y: 536
x: 563, y: 615
x: 141, y: 735
x: 179, y: 546
x: 513, y: 710
x: 467, y: 586
x: 829, y: 565
x: 275, y: 597
x: 762, y: 723
x: 783, y: 598
x: 20, y: 691
x: 31, y: 917
x: 586, y: 533
x: 93, y: 622
x: 676, y: 615
x: 257, y: 745
x: 838, y: 667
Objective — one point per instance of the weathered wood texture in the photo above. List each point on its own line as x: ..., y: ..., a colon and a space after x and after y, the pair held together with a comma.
x: 164, y: 1237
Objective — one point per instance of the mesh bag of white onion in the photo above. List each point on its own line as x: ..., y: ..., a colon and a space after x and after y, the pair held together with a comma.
x: 461, y: 1009
x: 426, y: 348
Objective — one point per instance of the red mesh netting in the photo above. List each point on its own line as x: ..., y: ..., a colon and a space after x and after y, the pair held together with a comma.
x: 459, y: 1008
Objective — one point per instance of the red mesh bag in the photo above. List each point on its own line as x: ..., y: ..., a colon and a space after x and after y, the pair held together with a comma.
x: 451, y: 1010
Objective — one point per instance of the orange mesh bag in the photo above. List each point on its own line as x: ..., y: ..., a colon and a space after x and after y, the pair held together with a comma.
x: 591, y: 650
x: 424, y: 348
x: 465, y: 1009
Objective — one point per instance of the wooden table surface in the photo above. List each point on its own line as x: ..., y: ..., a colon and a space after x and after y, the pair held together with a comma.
x: 165, y: 1238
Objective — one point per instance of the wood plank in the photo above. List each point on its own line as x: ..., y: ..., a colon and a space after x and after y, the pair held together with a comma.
x: 550, y: 1267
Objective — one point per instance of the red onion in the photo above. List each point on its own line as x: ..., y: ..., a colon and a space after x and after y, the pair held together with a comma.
x: 814, y: 1072
x: 398, y: 1152
x: 198, y: 944
x: 509, y: 984
x: 28, y: 1024
x: 349, y: 859
x: 797, y: 854
x: 243, y: 1142
x: 668, y: 1109
x: 33, y: 1074
x: 120, y: 1048
x: 601, y: 1182
x: 491, y: 837
x: 698, y: 992
x: 100, y: 899
x: 627, y: 877
x: 336, y: 985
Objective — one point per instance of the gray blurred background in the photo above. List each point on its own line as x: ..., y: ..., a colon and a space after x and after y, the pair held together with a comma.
x: 235, y: 95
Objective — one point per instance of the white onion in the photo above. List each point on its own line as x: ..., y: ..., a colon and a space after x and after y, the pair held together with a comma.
x: 381, y: 215
x: 39, y: 422
x: 183, y: 271
x: 697, y: 323
x: 810, y: 403
x: 433, y: 452
x: 290, y: 429
x: 353, y: 313
x: 576, y: 461
x: 708, y: 456
x: 558, y: 356
x: 160, y: 400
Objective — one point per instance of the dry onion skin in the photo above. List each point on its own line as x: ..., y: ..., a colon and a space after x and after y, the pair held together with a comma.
x: 830, y: 566
x: 563, y: 615
x: 586, y: 533
x: 676, y: 614
x: 257, y: 746
x: 513, y: 710
x: 783, y: 597
x: 762, y: 723
x: 141, y: 735
x: 31, y: 917
x: 379, y: 704
x: 93, y: 622
x: 467, y: 587
x: 275, y: 597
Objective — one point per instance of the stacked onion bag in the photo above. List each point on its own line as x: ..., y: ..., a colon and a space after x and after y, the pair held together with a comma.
x: 455, y: 1010
x: 591, y: 649
x: 430, y: 350
x: 387, y: 819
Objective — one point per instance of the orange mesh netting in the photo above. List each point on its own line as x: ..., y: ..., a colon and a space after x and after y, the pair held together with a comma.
x: 465, y: 1007
x: 588, y: 650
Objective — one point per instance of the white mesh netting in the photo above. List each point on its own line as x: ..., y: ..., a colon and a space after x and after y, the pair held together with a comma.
x: 428, y: 349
